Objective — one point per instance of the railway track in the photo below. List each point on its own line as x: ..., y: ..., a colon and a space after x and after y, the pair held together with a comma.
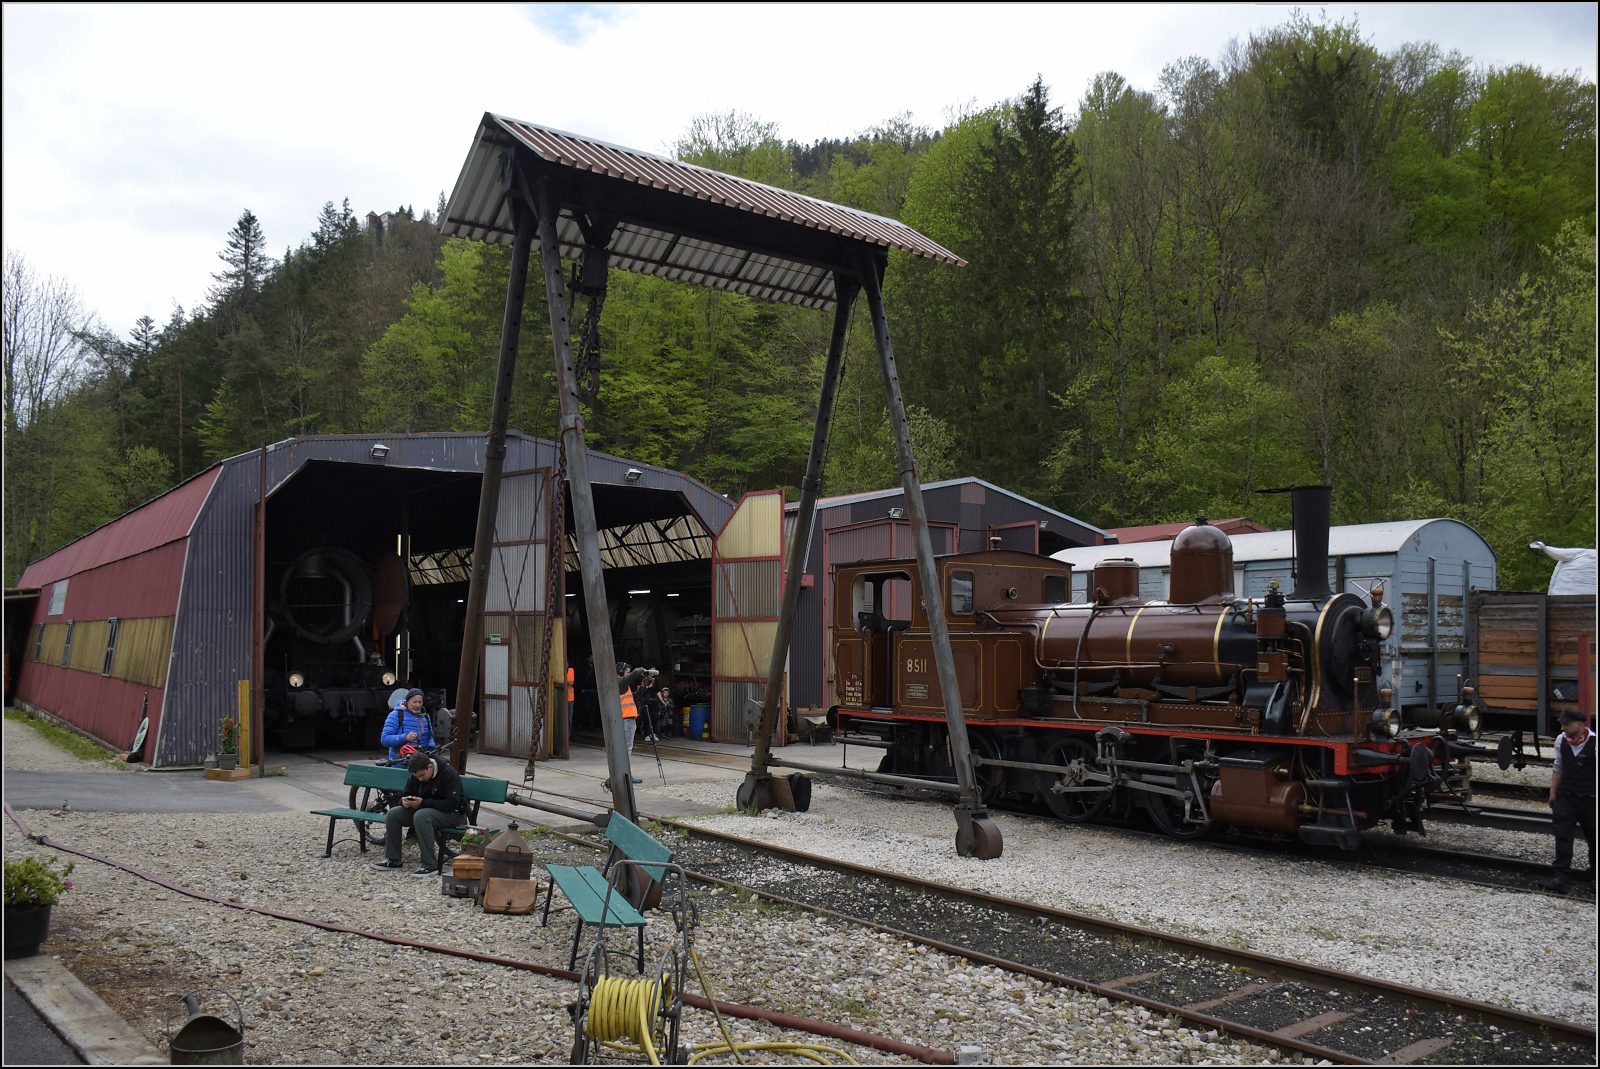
x: 1413, y: 858
x: 1325, y: 1013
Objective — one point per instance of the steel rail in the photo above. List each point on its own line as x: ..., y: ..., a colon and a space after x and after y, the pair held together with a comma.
x: 1267, y: 964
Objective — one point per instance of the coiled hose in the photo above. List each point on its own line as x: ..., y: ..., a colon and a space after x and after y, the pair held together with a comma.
x: 621, y: 1008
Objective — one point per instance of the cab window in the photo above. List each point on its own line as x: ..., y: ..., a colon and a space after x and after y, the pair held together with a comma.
x: 960, y: 593
x: 1055, y: 589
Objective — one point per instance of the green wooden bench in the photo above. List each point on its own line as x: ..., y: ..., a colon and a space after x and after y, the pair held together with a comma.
x: 388, y: 782
x: 594, y: 893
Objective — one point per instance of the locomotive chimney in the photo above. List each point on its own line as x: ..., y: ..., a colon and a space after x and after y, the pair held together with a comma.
x: 1313, y: 511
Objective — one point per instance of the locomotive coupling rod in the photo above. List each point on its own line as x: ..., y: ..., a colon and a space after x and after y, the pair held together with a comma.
x: 872, y: 777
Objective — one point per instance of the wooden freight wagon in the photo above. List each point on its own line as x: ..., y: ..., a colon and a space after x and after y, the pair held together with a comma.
x: 1527, y: 654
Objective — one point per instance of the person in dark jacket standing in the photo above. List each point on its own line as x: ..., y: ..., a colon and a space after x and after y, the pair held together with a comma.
x: 432, y: 801
x: 1572, y: 784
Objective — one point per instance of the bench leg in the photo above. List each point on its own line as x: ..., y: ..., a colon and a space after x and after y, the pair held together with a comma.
x: 641, y: 950
x: 361, y: 833
x: 546, y: 922
x: 576, y: 938
x: 331, y: 822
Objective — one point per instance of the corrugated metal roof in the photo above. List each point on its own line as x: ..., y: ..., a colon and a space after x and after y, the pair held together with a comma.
x: 1345, y: 541
x: 1157, y: 531
x: 152, y: 524
x: 678, y: 220
x: 972, y: 480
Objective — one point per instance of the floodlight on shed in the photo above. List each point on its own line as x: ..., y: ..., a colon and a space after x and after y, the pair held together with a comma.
x: 379, y: 451
x: 896, y: 514
x: 634, y: 474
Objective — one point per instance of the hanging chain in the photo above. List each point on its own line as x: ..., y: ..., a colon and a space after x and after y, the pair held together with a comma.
x: 555, y: 537
x: 586, y: 353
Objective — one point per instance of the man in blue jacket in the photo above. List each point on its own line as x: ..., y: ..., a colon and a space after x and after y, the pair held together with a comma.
x: 407, y: 723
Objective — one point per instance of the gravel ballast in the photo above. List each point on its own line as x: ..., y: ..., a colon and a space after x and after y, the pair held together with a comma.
x: 314, y: 997
x: 1531, y: 952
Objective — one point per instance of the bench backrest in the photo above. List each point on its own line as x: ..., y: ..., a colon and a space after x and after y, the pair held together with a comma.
x: 484, y: 789
x: 380, y: 776
x: 637, y: 844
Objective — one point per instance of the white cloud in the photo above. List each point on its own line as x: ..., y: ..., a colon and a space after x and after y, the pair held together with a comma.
x: 134, y: 136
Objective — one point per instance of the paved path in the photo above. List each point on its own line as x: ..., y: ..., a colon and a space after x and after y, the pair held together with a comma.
x: 139, y: 792
x: 28, y: 1040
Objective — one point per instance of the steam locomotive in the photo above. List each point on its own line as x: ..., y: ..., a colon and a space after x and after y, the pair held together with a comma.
x: 1206, y: 709
x: 331, y: 669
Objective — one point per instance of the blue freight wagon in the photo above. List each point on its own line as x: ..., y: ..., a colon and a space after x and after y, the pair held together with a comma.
x: 1426, y: 567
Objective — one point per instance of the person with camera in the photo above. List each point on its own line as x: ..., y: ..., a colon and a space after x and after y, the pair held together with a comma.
x: 431, y: 802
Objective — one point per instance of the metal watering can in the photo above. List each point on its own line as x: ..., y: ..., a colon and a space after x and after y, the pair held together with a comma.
x: 204, y: 1039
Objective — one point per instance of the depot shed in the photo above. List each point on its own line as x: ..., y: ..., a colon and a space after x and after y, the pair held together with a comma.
x: 964, y: 516
x: 160, y: 610
x: 1427, y: 567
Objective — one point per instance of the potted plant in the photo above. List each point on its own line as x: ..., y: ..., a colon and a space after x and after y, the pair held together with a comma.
x: 32, y: 886
x: 228, y: 749
x: 472, y: 844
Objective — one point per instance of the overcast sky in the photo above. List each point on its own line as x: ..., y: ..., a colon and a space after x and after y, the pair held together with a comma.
x: 134, y: 136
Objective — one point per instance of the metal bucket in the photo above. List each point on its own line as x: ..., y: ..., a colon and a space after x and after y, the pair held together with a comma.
x: 204, y: 1039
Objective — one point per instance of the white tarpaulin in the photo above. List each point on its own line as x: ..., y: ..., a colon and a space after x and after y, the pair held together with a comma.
x: 1575, y: 569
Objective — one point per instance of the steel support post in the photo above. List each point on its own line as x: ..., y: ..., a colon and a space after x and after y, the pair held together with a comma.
x: 976, y: 835
x: 494, y: 457
x: 583, y: 521
x: 756, y: 790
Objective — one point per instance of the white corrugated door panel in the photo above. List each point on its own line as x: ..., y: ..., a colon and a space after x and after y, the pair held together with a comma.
x: 747, y: 584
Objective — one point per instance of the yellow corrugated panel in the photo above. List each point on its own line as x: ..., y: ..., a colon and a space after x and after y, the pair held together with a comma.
x: 755, y: 529
x: 55, y: 635
x: 530, y: 643
x: 89, y: 646
x: 743, y: 649
x: 143, y: 646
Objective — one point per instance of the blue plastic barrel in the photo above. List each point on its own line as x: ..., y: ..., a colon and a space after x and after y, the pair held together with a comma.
x: 699, y: 721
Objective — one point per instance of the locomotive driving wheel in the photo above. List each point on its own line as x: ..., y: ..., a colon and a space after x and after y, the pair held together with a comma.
x: 1175, y: 816
x: 1074, y: 807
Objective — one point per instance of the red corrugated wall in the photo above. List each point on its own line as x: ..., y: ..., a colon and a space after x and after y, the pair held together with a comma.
x: 143, y: 585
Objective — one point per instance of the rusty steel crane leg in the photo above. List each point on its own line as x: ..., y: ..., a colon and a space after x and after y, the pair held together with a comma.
x: 757, y: 789
x: 588, y: 534
x: 494, y: 457
x: 976, y: 835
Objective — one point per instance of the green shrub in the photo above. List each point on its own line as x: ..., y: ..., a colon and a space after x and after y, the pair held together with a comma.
x: 34, y: 882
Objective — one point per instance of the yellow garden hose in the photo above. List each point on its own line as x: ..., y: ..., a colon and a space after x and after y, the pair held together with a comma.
x: 814, y: 1051
x: 619, y: 1008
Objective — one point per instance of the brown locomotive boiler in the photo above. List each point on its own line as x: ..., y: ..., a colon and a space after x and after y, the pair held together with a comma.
x: 1204, y: 709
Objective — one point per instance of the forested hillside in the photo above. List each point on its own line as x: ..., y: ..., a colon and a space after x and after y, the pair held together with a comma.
x: 1307, y: 261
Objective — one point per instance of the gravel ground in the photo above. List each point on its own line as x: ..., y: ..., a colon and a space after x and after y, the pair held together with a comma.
x: 26, y: 748
x: 1534, y: 953
x: 1528, y: 776
x: 313, y: 997
x: 1503, y: 842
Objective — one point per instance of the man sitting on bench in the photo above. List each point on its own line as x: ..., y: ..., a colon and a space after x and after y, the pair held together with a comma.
x: 432, y: 801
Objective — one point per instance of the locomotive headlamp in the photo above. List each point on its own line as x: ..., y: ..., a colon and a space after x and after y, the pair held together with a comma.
x: 296, y: 680
x: 1385, y: 723
x: 1377, y: 622
x: 1468, y: 719
x: 388, y: 679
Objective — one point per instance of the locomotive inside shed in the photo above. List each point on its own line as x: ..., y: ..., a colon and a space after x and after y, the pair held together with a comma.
x: 348, y: 620
x: 367, y: 573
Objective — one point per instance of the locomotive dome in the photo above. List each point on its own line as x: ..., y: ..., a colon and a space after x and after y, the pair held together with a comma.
x: 1202, y: 563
